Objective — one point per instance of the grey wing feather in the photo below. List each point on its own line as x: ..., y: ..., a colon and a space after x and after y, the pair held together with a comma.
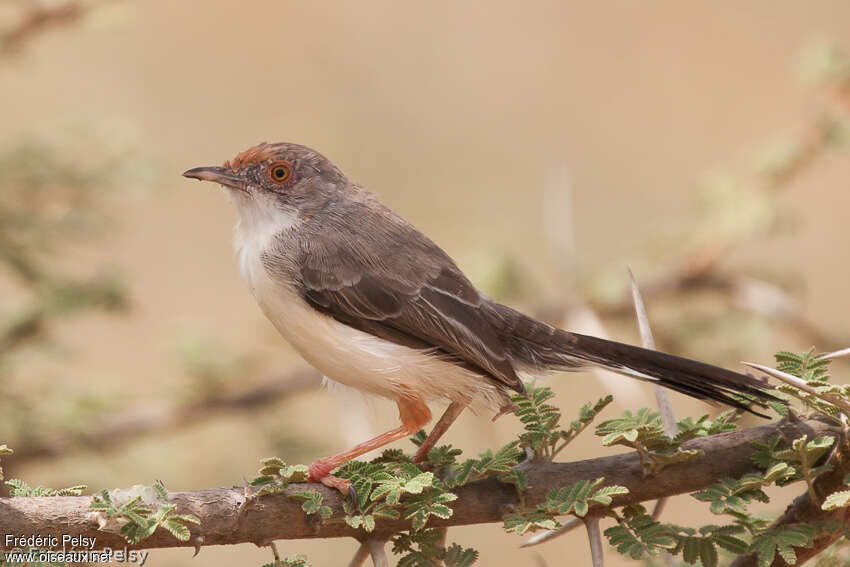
x: 420, y: 300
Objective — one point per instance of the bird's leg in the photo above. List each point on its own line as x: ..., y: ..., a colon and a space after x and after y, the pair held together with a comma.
x: 449, y: 416
x: 414, y: 415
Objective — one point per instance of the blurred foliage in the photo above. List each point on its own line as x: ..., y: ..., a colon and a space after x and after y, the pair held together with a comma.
x: 48, y: 203
x: 209, y: 367
x: 685, y: 268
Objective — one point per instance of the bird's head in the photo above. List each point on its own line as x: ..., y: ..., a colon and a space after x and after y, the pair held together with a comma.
x: 275, y: 177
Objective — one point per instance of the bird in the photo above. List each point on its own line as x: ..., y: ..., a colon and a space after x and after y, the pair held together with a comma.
x: 374, y: 304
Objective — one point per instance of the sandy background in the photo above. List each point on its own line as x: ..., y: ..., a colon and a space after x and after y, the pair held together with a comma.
x: 453, y: 113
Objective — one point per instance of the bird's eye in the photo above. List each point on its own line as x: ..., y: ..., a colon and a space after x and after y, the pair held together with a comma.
x: 280, y: 171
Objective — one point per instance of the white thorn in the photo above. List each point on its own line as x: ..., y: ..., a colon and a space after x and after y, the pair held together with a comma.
x: 836, y: 354
x: 569, y: 525
x: 662, y: 397
x: 799, y: 383
x: 378, y: 553
x: 595, y: 538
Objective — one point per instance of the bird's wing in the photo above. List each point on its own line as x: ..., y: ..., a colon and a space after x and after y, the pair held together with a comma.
x: 403, y: 288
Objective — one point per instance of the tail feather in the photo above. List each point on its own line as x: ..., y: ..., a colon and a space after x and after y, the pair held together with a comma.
x: 538, y: 346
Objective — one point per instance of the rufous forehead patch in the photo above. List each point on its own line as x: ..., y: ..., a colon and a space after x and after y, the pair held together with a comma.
x: 257, y: 154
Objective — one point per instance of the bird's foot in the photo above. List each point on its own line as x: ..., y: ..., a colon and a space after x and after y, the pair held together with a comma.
x: 320, y: 471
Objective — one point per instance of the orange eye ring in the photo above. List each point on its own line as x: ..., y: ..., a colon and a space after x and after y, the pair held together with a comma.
x: 280, y: 171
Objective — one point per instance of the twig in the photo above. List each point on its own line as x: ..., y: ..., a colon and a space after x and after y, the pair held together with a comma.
x: 281, y: 517
x: 804, y: 510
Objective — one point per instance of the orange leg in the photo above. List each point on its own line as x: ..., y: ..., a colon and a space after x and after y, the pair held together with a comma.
x: 449, y: 416
x: 414, y: 415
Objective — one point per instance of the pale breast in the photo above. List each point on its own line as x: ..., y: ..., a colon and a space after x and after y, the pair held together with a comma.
x: 342, y: 353
x: 358, y: 359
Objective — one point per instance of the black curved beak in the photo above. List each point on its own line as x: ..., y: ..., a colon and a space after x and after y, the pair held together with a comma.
x: 220, y: 175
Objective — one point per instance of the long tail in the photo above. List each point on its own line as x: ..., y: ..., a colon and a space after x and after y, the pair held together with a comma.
x: 538, y: 346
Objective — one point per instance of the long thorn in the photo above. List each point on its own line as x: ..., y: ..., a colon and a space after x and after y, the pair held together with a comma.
x: 595, y: 538
x: 661, y: 395
x: 378, y: 552
x: 662, y: 398
x: 836, y: 354
x: 801, y: 384
x: 359, y: 556
x: 569, y: 525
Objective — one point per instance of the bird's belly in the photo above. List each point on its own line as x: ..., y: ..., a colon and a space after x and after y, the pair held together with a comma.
x: 363, y: 361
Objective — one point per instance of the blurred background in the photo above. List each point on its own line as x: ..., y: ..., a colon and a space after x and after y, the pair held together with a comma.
x: 546, y: 146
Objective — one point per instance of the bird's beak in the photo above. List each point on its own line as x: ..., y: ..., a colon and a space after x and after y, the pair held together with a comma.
x: 221, y: 175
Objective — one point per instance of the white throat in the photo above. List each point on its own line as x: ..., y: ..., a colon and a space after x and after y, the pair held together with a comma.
x: 260, y: 221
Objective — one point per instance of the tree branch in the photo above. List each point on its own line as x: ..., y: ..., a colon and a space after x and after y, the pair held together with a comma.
x: 803, y: 510
x: 226, y: 520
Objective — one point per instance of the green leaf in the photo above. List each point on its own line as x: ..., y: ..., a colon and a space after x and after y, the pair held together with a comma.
x: 313, y: 503
x: 730, y: 543
x: 291, y: 561
x: 443, y: 456
x: 457, y: 556
x: 708, y: 553
x: 577, y: 497
x: 354, y: 521
x: 516, y: 477
x: 421, y: 507
x: 805, y: 365
x: 487, y: 464
x: 637, y: 535
x: 541, y: 421
x: 144, y: 508
x: 529, y: 522
x: 690, y: 549
x: 781, y: 540
x: 418, y: 483
x: 840, y: 499
x: 18, y: 487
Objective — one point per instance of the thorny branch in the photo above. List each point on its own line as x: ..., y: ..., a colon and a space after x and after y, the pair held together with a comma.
x: 485, y: 501
x: 804, y: 510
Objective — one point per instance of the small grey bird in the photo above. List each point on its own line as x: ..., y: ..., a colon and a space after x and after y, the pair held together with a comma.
x: 374, y: 304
